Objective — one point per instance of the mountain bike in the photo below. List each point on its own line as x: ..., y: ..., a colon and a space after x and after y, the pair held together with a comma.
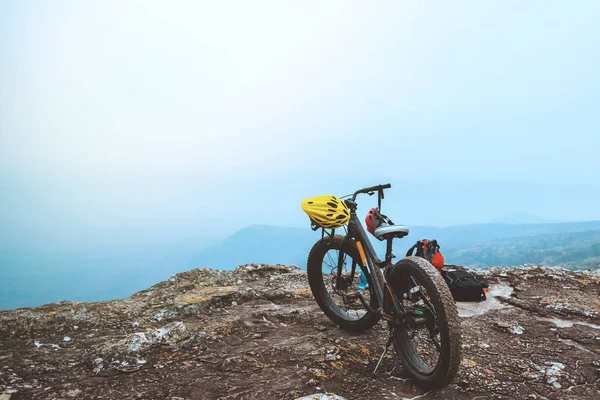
x: 410, y: 296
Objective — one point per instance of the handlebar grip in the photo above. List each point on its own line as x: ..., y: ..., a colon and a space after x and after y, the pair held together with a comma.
x: 376, y: 188
x: 372, y: 189
x: 379, y: 187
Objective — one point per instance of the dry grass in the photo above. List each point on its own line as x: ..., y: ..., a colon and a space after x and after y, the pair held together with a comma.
x: 307, y: 293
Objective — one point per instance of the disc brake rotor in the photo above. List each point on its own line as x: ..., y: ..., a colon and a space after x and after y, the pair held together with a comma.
x: 343, y: 283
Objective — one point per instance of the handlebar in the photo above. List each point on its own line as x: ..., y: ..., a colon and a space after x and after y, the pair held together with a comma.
x: 378, y: 188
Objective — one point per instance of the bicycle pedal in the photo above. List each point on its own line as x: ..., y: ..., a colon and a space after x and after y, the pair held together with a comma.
x: 350, y: 298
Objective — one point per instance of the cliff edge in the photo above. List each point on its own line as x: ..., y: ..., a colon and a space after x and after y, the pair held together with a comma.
x: 256, y: 333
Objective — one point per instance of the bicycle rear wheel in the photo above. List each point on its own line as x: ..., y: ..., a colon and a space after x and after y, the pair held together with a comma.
x: 427, y: 337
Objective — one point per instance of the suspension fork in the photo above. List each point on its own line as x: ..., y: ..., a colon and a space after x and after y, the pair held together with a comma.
x: 346, y: 244
x: 375, y: 273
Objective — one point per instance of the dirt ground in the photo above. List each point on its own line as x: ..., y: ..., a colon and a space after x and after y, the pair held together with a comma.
x: 256, y: 333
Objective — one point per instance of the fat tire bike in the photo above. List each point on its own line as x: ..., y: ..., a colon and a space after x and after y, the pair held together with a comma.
x: 410, y: 296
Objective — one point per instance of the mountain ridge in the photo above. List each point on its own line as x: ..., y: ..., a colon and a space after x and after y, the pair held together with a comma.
x: 290, y: 245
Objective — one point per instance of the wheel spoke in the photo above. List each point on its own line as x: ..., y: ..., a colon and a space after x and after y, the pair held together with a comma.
x: 340, y: 287
x: 429, y: 335
x: 419, y: 333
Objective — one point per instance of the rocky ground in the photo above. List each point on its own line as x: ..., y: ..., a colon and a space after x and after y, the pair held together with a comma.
x: 256, y: 333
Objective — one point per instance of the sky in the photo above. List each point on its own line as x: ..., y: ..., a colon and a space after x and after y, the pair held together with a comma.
x: 153, y: 122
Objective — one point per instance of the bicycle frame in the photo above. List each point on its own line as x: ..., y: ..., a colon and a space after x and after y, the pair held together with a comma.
x: 386, y: 301
x: 372, y: 261
x: 357, y: 235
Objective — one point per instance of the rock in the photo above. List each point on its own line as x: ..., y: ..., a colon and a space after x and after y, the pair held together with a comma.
x: 552, y: 373
x: 530, y: 375
x: 321, y: 396
x: 463, y: 383
x: 197, y: 332
x: 509, y: 327
x: 517, y: 330
x: 503, y: 325
x: 98, y: 364
x: 169, y: 334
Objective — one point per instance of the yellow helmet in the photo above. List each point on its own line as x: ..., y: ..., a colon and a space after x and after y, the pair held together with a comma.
x: 326, y: 211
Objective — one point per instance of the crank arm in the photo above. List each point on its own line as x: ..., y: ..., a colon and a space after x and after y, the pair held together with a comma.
x: 364, y: 303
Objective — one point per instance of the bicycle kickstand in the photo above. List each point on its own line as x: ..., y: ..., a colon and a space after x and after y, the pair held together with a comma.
x: 387, y: 346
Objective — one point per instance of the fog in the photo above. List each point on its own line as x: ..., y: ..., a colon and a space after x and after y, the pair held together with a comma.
x: 135, y: 133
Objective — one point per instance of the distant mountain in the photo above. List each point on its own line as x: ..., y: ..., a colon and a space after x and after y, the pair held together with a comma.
x: 522, y: 218
x: 575, y: 250
x: 260, y: 244
x: 466, y: 235
x: 570, y: 243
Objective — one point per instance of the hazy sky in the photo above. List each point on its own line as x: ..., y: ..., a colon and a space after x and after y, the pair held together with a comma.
x: 146, y: 115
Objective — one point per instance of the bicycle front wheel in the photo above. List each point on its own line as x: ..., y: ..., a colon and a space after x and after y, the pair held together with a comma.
x: 335, y: 286
x: 427, y: 337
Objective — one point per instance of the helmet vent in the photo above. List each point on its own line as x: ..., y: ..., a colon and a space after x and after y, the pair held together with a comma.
x: 326, y: 211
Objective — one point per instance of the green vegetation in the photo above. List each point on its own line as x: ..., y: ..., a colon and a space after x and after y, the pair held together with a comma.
x: 576, y: 250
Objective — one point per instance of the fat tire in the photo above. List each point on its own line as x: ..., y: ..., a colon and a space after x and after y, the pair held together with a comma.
x: 449, y: 324
x: 319, y: 291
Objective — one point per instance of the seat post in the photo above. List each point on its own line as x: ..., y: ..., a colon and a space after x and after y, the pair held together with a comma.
x: 388, y: 251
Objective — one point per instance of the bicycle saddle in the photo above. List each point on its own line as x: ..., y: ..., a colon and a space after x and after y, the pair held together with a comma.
x: 398, y: 231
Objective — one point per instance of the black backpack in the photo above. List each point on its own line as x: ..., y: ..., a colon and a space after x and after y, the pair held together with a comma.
x: 465, y: 286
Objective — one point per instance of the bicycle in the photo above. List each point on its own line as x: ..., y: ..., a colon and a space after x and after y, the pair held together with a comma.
x: 409, y: 295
